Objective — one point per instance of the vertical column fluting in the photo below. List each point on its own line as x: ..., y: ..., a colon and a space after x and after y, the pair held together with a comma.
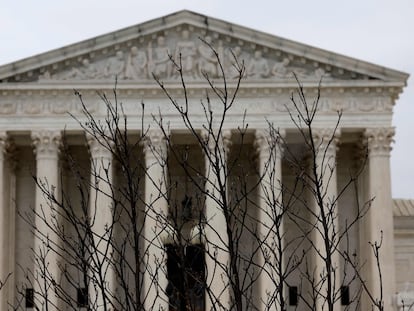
x: 4, y: 224
x: 156, y: 219
x: 46, y: 243
x: 11, y: 216
x: 270, y: 216
x: 102, y: 270
x: 377, y: 225
x: 216, y: 236
x: 324, y: 237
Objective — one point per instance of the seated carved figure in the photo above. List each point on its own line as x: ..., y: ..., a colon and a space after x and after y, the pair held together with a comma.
x: 116, y: 66
x: 258, y: 66
x: 136, y: 64
x: 85, y: 72
x: 280, y: 68
x: 186, y: 49
x: 158, y: 63
x: 207, y: 62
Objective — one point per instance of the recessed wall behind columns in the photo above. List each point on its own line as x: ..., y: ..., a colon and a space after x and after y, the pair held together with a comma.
x: 25, y: 198
x: 129, y: 207
x: 242, y: 185
x: 75, y: 167
x: 349, y: 161
x: 298, y: 200
x: 186, y: 163
x: 296, y: 242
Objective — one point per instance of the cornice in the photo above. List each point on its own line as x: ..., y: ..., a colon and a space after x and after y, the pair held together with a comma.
x: 255, y: 90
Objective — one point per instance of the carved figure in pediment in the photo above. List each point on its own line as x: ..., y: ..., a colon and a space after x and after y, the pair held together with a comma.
x: 116, y: 66
x: 45, y: 76
x: 258, y: 66
x: 187, y: 49
x: 320, y: 73
x: 230, y: 58
x: 158, y: 59
x: 207, y: 62
x: 279, y: 69
x: 136, y: 66
x: 300, y: 73
x: 86, y: 71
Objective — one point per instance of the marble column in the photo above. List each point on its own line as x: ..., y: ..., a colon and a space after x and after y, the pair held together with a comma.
x: 377, y: 226
x: 156, y: 222
x: 46, y: 144
x: 11, y: 217
x: 4, y: 224
x: 270, y: 217
x: 216, y: 237
x: 324, y: 166
x: 101, y: 217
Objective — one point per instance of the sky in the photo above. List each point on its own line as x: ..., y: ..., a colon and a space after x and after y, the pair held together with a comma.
x: 377, y: 31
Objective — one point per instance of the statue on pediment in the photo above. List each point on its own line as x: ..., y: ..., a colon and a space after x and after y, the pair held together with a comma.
x: 187, y: 50
x: 258, y: 67
x: 279, y: 69
x: 320, y: 73
x: 136, y: 66
x: 158, y: 58
x: 116, y: 66
x: 229, y: 58
x: 85, y: 72
x: 207, y: 62
x: 45, y: 76
x: 196, y: 59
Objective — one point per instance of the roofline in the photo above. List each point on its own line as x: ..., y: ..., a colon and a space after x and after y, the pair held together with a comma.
x: 209, y: 23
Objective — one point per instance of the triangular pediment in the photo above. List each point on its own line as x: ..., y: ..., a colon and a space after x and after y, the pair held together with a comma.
x: 137, y: 52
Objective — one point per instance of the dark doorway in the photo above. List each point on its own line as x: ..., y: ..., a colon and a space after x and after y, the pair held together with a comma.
x: 186, y: 277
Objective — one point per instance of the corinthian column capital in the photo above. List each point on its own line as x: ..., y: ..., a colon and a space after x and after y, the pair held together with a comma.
x: 99, y: 148
x: 217, y: 141
x: 379, y: 140
x: 267, y: 142
x: 4, y: 144
x: 155, y: 144
x: 46, y: 143
x: 326, y: 140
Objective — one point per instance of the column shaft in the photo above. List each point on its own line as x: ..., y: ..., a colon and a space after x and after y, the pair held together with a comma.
x: 377, y: 225
x: 217, y: 242
x: 47, y: 218
x: 102, y: 225
x: 324, y: 235
x: 4, y: 225
x: 156, y: 219
x: 270, y: 224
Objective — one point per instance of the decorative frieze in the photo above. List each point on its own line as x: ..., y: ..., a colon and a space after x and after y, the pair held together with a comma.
x: 276, y: 100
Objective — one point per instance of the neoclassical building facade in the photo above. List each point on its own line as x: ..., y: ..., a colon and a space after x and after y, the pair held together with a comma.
x: 38, y: 108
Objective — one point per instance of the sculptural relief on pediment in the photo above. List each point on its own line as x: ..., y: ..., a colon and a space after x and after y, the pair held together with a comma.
x: 141, y: 58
